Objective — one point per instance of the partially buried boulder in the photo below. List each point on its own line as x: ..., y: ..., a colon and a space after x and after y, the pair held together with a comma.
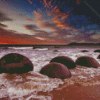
x: 56, y: 70
x: 87, y: 61
x: 84, y: 51
x: 15, y: 63
x: 97, y: 51
x: 68, y: 62
x: 98, y: 57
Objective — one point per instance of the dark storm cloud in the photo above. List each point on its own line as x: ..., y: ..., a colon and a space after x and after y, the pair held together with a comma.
x: 43, y: 35
x: 4, y: 17
x: 48, y: 24
x: 30, y: 27
x: 86, y: 13
x: 37, y: 31
x: 58, y: 30
x: 57, y: 33
x: 86, y: 38
x: 69, y: 20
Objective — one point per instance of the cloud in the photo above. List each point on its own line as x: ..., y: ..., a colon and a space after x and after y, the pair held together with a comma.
x: 57, y: 16
x: 30, y: 1
x: 51, y: 11
x: 87, y: 38
x: 96, y: 37
x: 58, y: 25
x: 11, y: 37
x: 47, y: 24
x: 40, y: 38
x: 43, y: 38
x: 56, y: 33
x: 48, y: 4
x: 30, y: 27
x: 58, y: 30
x: 43, y: 35
x: 3, y: 17
x: 78, y: 2
x: 53, y: 23
x: 34, y: 19
x: 37, y: 31
x: 37, y: 13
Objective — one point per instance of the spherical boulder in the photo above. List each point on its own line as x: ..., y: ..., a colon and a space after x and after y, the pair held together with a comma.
x: 15, y: 63
x: 68, y: 62
x: 56, y: 70
x: 98, y: 51
x: 84, y: 51
x: 87, y: 61
x: 98, y: 57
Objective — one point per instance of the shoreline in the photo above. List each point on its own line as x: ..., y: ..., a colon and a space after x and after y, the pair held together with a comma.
x: 75, y: 92
x: 72, y: 92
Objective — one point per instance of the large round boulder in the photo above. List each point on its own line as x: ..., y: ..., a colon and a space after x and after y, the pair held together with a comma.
x: 98, y: 57
x: 68, y: 62
x: 87, y: 61
x: 56, y: 70
x: 15, y: 63
x: 98, y: 51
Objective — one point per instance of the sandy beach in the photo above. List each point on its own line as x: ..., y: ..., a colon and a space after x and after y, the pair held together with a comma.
x: 75, y: 92
x: 83, y: 85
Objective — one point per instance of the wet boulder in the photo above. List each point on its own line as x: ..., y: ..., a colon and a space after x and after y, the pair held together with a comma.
x: 87, y: 61
x: 98, y: 51
x: 15, y: 63
x: 68, y: 62
x: 84, y: 51
x: 56, y: 70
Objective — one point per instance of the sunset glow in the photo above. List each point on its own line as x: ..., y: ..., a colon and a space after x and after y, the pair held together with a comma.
x: 49, y: 21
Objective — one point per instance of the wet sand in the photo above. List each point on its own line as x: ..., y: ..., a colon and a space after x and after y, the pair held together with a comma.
x: 72, y: 92
x: 75, y: 92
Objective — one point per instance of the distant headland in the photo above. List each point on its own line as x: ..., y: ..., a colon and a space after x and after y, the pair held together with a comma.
x: 73, y: 44
x: 83, y: 44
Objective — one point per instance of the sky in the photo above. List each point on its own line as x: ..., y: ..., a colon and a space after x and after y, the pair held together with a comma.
x: 49, y: 22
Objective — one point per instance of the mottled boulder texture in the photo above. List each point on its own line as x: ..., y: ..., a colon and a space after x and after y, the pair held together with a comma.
x: 97, y: 51
x: 87, y: 61
x: 68, y: 62
x: 15, y: 63
x: 56, y: 70
x: 84, y: 51
x: 98, y: 57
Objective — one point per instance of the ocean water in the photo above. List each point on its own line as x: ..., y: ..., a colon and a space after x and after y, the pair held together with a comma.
x: 16, y: 86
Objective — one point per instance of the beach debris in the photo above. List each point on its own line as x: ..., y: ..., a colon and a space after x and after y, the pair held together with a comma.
x: 87, y: 61
x: 68, y: 62
x: 15, y: 63
x: 56, y: 70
